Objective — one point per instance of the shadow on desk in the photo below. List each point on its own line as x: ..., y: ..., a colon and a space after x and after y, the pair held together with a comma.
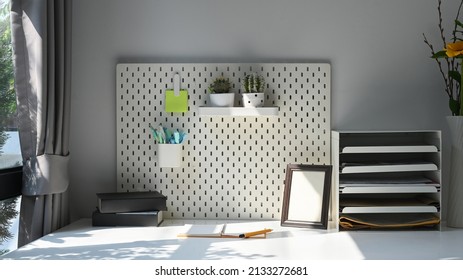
x: 82, y: 242
x: 138, y: 250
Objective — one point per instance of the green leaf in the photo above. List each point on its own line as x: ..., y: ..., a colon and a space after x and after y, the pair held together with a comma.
x: 439, y: 54
x: 457, y: 22
x: 454, y: 107
x: 455, y: 75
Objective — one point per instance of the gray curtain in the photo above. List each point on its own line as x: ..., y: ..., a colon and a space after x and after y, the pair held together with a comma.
x: 42, y: 57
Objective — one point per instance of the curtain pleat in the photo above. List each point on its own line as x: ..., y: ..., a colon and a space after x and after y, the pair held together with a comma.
x: 42, y: 64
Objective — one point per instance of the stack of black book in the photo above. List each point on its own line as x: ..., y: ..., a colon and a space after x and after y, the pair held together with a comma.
x: 129, y: 209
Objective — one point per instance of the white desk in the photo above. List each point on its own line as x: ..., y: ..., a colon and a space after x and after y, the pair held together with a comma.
x: 81, y: 241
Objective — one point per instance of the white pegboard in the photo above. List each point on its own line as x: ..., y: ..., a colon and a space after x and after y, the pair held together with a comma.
x: 233, y: 167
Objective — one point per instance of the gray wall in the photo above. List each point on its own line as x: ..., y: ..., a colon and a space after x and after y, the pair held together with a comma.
x: 382, y: 77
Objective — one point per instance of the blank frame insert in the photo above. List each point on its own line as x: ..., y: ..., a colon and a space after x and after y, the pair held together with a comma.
x: 307, y: 201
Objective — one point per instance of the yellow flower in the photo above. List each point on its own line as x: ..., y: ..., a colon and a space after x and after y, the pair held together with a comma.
x: 454, y: 49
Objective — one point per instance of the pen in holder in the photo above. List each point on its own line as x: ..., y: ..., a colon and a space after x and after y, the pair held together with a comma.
x: 169, y: 145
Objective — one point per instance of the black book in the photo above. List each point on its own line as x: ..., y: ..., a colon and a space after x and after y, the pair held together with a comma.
x: 128, y: 219
x: 123, y: 202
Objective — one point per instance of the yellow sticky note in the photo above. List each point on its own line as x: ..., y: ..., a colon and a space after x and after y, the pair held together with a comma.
x: 177, y: 104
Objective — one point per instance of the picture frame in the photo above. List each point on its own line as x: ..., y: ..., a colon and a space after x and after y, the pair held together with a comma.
x: 306, y: 196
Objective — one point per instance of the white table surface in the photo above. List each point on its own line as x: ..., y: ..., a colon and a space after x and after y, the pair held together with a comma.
x: 81, y: 241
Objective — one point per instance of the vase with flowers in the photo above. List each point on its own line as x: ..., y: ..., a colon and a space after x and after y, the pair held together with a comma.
x: 450, y: 62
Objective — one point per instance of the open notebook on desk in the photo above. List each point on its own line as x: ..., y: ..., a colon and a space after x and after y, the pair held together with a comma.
x: 218, y: 231
x: 190, y: 230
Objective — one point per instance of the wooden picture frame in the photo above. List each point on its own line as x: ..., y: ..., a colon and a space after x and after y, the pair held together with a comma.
x: 306, y: 196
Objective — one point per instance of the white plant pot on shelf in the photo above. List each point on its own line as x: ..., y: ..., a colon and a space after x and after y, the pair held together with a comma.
x: 252, y: 100
x: 222, y: 99
x: 170, y: 155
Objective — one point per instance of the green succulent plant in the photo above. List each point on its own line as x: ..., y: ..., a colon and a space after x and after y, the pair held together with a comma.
x: 253, y: 83
x: 220, y: 85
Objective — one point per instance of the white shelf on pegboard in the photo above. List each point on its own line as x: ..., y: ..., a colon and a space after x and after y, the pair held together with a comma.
x: 238, y: 111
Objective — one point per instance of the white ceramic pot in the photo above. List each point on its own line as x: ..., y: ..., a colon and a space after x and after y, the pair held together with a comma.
x: 455, y: 195
x: 252, y: 100
x: 222, y: 99
x: 170, y: 155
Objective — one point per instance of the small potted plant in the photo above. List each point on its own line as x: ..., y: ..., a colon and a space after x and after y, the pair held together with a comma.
x: 253, y: 95
x: 220, y: 95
